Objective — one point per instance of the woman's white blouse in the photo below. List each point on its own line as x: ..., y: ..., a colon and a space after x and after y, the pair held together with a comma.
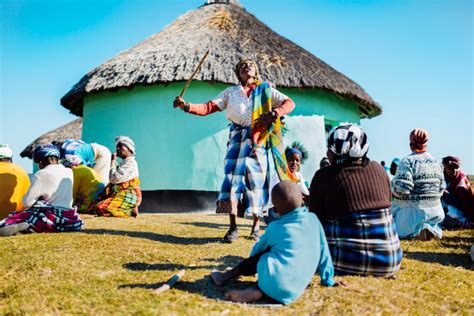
x: 240, y: 107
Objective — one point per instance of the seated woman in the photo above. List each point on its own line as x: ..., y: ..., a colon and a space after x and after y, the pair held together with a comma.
x: 14, y: 183
x: 48, y: 202
x: 352, y: 199
x: 458, y: 198
x: 87, y: 183
x: 122, y: 196
x: 417, y: 188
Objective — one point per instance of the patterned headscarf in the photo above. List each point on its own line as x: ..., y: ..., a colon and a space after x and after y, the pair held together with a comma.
x: 72, y: 160
x: 43, y: 151
x: 419, y: 139
x: 5, y: 151
x: 237, y: 67
x: 452, y: 161
x: 126, y: 141
x: 348, y: 141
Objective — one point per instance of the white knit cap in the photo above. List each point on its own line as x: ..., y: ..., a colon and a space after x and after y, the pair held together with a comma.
x: 127, y: 141
x: 5, y: 151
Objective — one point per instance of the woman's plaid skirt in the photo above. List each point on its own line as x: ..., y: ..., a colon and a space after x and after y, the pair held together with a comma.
x: 364, y: 243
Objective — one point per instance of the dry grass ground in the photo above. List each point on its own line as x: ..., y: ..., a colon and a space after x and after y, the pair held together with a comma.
x: 112, y: 266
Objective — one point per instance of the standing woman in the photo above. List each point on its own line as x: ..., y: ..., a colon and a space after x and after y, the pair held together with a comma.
x: 254, y: 109
x: 417, y: 188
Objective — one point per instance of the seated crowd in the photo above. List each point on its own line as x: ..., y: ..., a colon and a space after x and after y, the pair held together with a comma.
x: 349, y: 221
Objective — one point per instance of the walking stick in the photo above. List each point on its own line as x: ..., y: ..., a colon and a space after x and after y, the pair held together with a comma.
x: 165, y: 287
x: 194, y: 73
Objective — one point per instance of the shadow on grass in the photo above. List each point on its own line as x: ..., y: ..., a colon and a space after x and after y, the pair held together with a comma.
x: 223, y: 262
x: 170, y: 239
x: 446, y: 259
x: 203, y: 286
x: 211, y: 225
x: 458, y: 242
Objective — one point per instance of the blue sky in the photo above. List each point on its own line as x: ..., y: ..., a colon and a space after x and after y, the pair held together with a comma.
x: 413, y: 57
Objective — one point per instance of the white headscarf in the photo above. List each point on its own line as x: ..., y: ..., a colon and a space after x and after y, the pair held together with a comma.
x: 127, y: 141
x: 5, y: 151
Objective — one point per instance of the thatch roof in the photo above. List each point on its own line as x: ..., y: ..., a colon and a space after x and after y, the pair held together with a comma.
x: 230, y: 33
x: 71, y: 130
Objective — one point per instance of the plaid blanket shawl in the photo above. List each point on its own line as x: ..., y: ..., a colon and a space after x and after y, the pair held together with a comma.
x: 364, y: 243
x: 272, y: 136
x: 46, y: 219
x: 119, y: 199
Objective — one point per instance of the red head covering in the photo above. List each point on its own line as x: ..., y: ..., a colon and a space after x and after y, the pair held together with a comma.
x: 452, y: 161
x: 418, y: 139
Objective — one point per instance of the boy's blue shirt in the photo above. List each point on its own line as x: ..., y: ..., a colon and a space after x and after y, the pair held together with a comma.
x: 297, y: 249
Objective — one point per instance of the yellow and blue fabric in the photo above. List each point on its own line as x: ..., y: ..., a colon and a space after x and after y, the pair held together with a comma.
x: 271, y: 137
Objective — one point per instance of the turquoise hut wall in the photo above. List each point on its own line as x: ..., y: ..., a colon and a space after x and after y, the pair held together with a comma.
x: 166, y: 138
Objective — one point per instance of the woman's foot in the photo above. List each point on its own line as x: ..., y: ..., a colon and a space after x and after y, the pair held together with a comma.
x: 255, y: 235
x: 219, y: 278
x: 13, y: 229
x: 244, y: 296
x: 231, y: 235
x: 425, y: 235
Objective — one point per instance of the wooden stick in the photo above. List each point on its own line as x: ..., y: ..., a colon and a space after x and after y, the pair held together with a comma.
x: 194, y: 73
x: 165, y: 287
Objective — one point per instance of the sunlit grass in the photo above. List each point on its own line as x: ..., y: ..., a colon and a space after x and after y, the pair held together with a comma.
x: 113, y: 265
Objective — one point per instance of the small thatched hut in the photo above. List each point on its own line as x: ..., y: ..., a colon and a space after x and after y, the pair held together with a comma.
x: 132, y: 93
x: 71, y: 130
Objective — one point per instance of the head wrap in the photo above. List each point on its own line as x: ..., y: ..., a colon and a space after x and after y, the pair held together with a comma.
x: 396, y: 161
x: 126, y: 141
x: 452, y: 161
x: 72, y: 160
x: 5, y: 151
x: 237, y: 67
x: 348, y: 141
x: 298, y: 149
x: 43, y: 151
x: 418, y: 139
x: 292, y: 151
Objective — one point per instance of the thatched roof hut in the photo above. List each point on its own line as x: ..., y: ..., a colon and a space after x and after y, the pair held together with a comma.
x: 71, y: 130
x: 229, y: 32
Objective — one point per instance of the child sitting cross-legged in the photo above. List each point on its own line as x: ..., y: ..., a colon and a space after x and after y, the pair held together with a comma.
x: 286, y: 257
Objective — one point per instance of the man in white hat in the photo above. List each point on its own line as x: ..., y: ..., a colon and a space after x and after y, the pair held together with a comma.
x: 14, y: 183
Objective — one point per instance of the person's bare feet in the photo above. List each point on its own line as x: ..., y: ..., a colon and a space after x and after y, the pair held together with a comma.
x: 219, y: 278
x: 244, y: 296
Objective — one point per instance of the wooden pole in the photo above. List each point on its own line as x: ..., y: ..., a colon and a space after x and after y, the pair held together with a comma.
x: 165, y: 287
x: 194, y: 73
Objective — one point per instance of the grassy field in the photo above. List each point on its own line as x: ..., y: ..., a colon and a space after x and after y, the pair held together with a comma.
x: 113, y: 265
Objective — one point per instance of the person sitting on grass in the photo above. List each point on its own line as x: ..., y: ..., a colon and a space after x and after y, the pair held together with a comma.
x: 87, y: 183
x: 48, y: 201
x: 458, y: 198
x: 14, y: 183
x: 352, y: 199
x: 286, y: 257
x: 122, y: 196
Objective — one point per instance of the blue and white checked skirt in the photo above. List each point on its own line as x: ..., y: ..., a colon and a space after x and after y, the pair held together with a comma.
x: 246, y: 178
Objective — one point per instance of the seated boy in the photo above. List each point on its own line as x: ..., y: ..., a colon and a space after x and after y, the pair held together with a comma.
x: 286, y: 257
